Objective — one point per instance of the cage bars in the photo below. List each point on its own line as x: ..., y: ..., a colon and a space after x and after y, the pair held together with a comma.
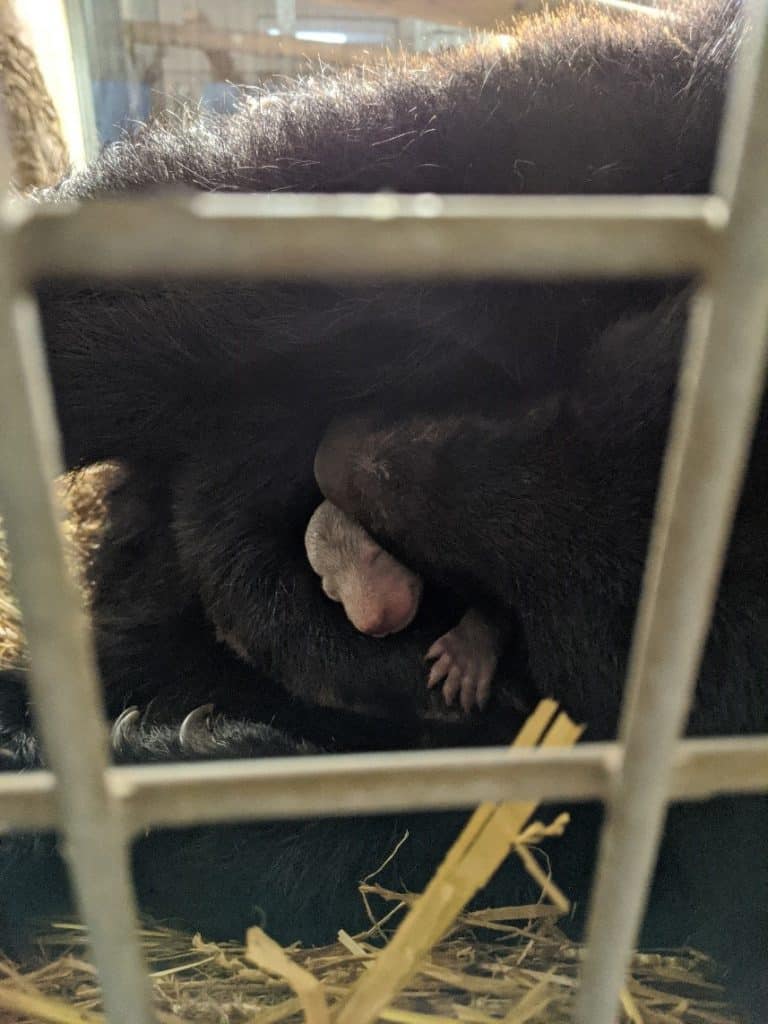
x: 720, y: 388
x: 97, y: 807
x: 355, y: 237
x: 218, y: 791
x: 63, y: 679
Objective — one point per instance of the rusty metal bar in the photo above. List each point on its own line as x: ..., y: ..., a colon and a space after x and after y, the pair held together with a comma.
x: 356, y: 237
x: 218, y: 791
x: 721, y: 386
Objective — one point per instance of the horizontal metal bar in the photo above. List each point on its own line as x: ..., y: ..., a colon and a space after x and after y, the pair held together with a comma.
x: 28, y: 801
x: 210, y: 791
x: 352, y: 784
x: 721, y: 385
x: 371, y: 783
x: 375, y: 236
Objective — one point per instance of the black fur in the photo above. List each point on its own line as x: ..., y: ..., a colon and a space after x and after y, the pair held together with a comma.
x: 216, y: 396
x: 560, y: 497
x: 162, y: 377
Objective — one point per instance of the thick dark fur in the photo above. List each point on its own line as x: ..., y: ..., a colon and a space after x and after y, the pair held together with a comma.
x: 173, y: 377
x: 561, y: 499
x: 297, y: 878
x: 569, y: 482
x: 216, y: 397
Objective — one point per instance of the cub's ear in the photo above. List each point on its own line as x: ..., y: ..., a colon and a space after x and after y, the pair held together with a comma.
x: 335, y: 455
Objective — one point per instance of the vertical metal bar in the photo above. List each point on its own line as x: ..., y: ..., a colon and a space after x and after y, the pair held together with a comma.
x: 64, y: 681
x: 719, y: 398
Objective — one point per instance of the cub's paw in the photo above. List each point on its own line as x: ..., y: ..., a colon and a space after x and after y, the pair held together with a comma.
x: 465, y: 660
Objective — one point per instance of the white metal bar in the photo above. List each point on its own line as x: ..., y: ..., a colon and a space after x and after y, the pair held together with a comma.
x: 374, y: 236
x: 378, y: 783
x: 721, y: 386
x: 184, y: 794
x: 63, y: 683
x: 28, y: 801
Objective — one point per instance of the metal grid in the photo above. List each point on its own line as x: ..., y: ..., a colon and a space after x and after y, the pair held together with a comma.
x: 99, y: 808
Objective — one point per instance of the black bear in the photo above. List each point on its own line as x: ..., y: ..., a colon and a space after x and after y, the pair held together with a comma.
x: 215, y: 398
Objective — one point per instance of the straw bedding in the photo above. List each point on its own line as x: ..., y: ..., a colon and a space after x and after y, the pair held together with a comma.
x: 519, y: 970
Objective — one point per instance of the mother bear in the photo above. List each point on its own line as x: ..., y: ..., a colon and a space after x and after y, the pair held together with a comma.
x: 215, y: 397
